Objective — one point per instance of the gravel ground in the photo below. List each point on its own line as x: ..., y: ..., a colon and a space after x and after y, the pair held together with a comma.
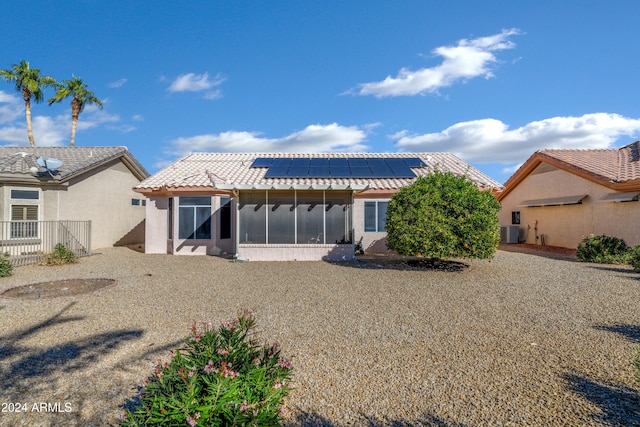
x: 524, y: 340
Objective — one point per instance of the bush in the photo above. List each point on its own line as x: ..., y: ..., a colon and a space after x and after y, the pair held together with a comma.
x: 603, y: 249
x: 60, y: 256
x: 6, y: 268
x: 443, y: 216
x: 221, y: 377
x: 634, y: 258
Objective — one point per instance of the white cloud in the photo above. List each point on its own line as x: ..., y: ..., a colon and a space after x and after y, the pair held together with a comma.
x: 11, y: 107
x: 313, y: 138
x: 491, y: 141
x: 117, y: 83
x: 137, y: 118
x: 466, y: 60
x: 192, y: 82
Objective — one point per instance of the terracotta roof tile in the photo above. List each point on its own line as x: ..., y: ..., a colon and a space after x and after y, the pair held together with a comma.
x: 615, y: 165
x: 220, y: 169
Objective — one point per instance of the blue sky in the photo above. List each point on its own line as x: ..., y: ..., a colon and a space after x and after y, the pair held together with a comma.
x: 491, y: 82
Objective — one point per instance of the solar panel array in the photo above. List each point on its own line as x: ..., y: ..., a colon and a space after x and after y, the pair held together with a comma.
x: 338, y: 167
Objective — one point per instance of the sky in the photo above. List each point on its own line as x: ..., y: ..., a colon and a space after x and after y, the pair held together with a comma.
x: 490, y: 81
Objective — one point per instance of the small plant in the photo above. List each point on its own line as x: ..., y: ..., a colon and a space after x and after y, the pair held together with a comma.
x: 61, y: 255
x: 6, y: 268
x: 221, y: 377
x: 603, y: 249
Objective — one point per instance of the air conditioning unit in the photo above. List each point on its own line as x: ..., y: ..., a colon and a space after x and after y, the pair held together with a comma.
x: 509, y: 234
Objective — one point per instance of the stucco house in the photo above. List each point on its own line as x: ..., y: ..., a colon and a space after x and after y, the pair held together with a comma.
x: 41, y: 186
x: 558, y: 197
x: 278, y: 206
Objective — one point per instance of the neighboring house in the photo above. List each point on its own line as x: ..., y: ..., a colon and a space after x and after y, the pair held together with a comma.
x: 91, y: 184
x: 559, y: 197
x: 276, y: 206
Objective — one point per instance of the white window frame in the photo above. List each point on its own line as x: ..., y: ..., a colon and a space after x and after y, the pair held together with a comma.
x: 364, y: 215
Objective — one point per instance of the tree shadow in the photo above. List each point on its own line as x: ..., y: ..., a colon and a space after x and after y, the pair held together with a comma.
x: 404, y: 263
x: 29, y: 372
x: 630, y: 332
x: 307, y: 419
x: 619, y: 405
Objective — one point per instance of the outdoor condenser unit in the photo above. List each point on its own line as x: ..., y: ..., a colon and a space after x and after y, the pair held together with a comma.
x: 509, y: 234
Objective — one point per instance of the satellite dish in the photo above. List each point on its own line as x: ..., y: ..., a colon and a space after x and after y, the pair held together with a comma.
x: 48, y: 163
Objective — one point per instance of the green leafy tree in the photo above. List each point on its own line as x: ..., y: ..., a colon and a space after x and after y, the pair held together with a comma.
x: 443, y: 216
x: 81, y: 97
x: 30, y: 83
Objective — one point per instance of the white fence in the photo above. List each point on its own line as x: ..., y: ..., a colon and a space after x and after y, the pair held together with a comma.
x: 27, y: 242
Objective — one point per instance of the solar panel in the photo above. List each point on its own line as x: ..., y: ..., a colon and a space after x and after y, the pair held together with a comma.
x: 320, y: 172
x: 262, y: 162
x: 340, y: 167
x: 379, y: 168
x: 276, y: 172
x: 340, y: 172
x: 300, y: 163
x: 400, y: 168
x: 358, y: 162
x: 281, y: 162
x: 414, y: 162
x: 317, y: 162
x: 361, y: 172
x: 298, y: 172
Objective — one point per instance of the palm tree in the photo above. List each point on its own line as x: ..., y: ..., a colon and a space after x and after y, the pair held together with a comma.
x: 29, y: 82
x: 81, y: 97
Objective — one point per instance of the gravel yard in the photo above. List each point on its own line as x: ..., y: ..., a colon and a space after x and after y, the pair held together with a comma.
x: 524, y: 340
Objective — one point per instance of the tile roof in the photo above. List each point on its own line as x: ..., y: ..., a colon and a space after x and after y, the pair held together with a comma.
x: 232, y: 170
x: 75, y: 160
x: 617, y: 169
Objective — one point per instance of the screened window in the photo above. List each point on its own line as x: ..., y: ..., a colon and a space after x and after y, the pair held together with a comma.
x: 194, y: 217
x: 24, y: 221
x: 337, y: 217
x: 310, y: 226
x: 375, y: 216
x: 252, y: 213
x: 225, y: 217
x: 25, y: 194
x: 294, y: 217
x: 281, y: 218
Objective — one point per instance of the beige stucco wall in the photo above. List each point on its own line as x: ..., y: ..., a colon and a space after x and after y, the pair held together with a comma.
x: 372, y: 241
x: 566, y: 226
x: 103, y: 196
x: 157, y: 238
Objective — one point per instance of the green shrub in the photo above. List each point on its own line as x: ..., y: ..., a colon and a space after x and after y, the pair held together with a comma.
x: 443, y: 216
x: 60, y: 256
x: 6, y: 268
x: 221, y: 377
x: 603, y: 249
x: 634, y: 258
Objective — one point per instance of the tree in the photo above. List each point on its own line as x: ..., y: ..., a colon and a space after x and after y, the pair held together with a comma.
x: 443, y: 216
x: 29, y: 82
x: 81, y: 97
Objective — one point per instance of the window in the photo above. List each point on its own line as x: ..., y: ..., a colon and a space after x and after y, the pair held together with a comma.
x: 25, y: 194
x: 294, y: 217
x: 281, y: 217
x: 194, y: 217
x: 24, y: 221
x: 515, y: 217
x: 253, y: 217
x: 225, y: 217
x: 135, y: 202
x: 375, y: 216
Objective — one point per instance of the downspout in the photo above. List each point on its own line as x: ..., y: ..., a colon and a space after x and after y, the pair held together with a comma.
x: 236, y: 240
